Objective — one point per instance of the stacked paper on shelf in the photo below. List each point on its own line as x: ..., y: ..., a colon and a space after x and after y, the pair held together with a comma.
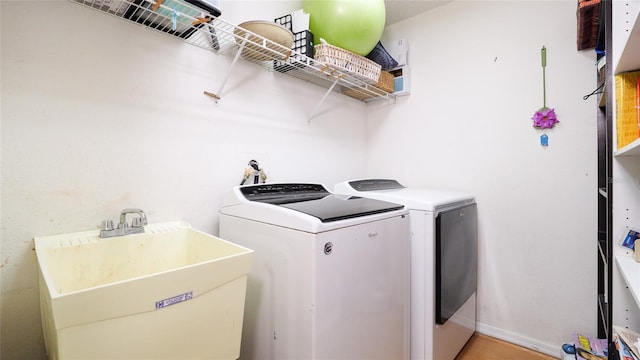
x: 630, y: 340
x: 300, y: 21
x: 627, y: 111
x: 623, y: 350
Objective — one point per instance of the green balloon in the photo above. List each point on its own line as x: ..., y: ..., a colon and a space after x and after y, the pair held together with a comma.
x: 354, y: 25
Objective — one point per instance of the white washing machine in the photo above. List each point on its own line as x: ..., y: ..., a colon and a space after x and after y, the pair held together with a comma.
x: 330, y: 276
x: 443, y: 263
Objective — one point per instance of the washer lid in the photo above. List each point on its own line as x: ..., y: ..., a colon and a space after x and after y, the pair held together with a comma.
x: 317, y: 201
x: 413, y: 198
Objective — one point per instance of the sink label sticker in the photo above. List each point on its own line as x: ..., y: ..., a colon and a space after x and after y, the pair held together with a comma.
x: 174, y: 300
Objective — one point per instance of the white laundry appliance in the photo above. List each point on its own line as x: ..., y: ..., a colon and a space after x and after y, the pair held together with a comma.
x: 330, y: 276
x: 443, y: 263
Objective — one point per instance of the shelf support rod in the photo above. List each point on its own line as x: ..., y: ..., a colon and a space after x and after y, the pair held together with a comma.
x: 323, y: 98
x: 233, y: 63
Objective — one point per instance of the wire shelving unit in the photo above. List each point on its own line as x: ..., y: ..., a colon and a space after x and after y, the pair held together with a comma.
x: 214, y: 34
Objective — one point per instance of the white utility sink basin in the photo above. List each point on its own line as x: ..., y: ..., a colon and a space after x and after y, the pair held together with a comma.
x: 172, y: 292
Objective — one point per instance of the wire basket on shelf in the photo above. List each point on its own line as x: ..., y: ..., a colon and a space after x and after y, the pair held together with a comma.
x: 302, y: 53
x: 302, y: 47
x: 160, y: 18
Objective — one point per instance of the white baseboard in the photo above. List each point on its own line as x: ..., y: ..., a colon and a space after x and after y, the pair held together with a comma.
x: 549, y: 349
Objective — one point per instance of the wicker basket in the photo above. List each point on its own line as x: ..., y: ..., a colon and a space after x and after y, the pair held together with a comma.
x: 348, y: 62
x: 385, y: 83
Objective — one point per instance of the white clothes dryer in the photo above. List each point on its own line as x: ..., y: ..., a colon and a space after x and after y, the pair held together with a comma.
x: 330, y: 276
x: 443, y: 263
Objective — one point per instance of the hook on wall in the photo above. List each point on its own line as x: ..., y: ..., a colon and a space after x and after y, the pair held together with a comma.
x: 598, y: 90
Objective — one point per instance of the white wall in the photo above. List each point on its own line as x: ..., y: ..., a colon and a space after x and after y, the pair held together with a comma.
x: 476, y: 81
x: 99, y: 114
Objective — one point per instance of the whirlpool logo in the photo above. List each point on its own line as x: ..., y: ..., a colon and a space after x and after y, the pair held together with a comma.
x: 328, y: 248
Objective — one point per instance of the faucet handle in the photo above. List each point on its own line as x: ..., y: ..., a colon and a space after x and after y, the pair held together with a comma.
x: 106, y: 225
x: 143, y: 218
x: 137, y: 222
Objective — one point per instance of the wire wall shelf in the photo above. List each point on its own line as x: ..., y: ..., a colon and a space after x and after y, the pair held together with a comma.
x: 196, y: 27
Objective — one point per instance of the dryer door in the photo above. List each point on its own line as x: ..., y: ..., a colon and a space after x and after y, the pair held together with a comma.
x: 456, y: 259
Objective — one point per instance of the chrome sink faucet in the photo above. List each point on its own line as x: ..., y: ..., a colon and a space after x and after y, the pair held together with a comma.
x: 139, y: 221
x: 137, y: 224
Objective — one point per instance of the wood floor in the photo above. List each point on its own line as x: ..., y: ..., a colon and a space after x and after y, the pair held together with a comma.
x: 482, y: 347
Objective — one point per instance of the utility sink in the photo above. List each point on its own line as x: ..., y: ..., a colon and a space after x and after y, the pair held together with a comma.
x: 172, y: 292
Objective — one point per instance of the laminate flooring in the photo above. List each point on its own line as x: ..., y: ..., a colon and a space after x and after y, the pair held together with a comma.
x: 482, y: 347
